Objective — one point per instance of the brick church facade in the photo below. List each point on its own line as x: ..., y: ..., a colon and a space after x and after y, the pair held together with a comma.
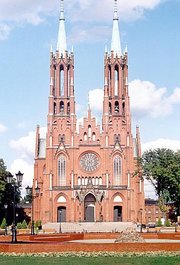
x: 86, y: 172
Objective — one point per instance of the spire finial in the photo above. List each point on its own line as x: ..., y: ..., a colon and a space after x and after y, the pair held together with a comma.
x: 61, y: 44
x: 62, y: 10
x: 88, y: 100
x: 115, y: 9
x: 115, y: 42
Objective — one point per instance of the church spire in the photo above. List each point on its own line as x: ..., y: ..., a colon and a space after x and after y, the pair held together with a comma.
x: 61, y: 44
x: 115, y: 42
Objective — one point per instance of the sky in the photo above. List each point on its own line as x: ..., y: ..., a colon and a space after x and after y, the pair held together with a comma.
x: 151, y: 31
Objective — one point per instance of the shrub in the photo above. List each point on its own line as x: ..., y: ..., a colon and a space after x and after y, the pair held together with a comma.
x: 159, y: 222
x: 19, y: 225
x: 29, y: 225
x: 167, y: 223
x: 38, y: 224
x: 3, y: 224
x: 24, y: 224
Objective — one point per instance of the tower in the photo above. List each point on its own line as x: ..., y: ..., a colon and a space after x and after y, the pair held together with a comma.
x: 87, y: 173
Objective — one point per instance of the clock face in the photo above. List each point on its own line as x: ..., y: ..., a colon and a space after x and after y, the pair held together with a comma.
x: 89, y: 162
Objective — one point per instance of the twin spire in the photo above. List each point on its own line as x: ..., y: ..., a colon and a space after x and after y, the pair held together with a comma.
x: 115, y: 43
x: 61, y: 44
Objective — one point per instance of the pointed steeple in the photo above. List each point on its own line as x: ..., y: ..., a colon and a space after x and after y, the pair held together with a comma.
x: 61, y: 44
x: 116, y: 43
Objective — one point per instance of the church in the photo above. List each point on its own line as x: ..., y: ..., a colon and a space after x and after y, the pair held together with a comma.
x: 86, y: 173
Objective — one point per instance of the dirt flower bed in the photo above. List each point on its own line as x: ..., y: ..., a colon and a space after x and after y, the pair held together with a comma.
x: 94, y: 254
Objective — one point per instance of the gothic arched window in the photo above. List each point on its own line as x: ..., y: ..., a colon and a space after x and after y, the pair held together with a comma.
x: 116, y: 107
x: 61, y: 81
x: 117, y: 170
x: 94, y: 136
x: 85, y: 137
x: 68, y: 108
x: 55, y: 110
x: 89, y: 131
x: 62, y: 170
x: 109, y: 80
x: 110, y: 108
x: 61, y: 107
x: 116, y: 80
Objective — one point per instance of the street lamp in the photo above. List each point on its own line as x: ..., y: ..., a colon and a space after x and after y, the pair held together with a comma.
x: 5, y: 207
x: 15, y: 184
x: 29, y: 191
x: 141, y: 211
x: 60, y: 212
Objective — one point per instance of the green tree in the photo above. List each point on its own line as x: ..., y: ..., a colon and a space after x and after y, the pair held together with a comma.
x: 3, y: 176
x: 3, y: 224
x: 159, y: 222
x: 24, y: 224
x: 162, y: 168
x: 19, y: 225
x: 6, y: 193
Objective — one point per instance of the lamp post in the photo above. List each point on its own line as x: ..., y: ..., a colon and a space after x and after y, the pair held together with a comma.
x: 15, y: 184
x: 5, y: 208
x: 141, y: 211
x: 60, y: 212
x: 175, y: 213
x: 29, y: 191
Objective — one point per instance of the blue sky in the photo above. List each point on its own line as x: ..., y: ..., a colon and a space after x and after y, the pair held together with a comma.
x: 151, y: 29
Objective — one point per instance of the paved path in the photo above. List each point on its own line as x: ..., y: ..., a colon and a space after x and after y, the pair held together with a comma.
x: 102, y: 241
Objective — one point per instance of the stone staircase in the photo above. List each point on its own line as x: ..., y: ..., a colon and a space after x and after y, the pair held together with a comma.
x: 84, y: 227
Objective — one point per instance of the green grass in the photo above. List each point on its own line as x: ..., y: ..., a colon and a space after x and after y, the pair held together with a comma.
x: 143, y: 260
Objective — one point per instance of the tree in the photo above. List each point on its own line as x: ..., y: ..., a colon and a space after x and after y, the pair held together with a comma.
x: 24, y: 224
x: 3, y: 224
x: 162, y: 168
x: 6, y: 193
x: 3, y: 176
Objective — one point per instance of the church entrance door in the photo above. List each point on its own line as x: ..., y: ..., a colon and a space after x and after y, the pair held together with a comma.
x: 89, y: 208
x: 117, y: 213
x: 61, y: 214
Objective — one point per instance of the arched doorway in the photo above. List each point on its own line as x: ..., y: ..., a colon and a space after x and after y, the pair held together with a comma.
x: 89, y: 208
x: 117, y: 213
x: 61, y: 214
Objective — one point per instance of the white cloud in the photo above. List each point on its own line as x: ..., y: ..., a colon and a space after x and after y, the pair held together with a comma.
x: 96, y: 99
x: 175, y: 97
x: 4, y: 31
x: 145, y: 99
x: 148, y: 100
x: 35, y: 12
x: 87, y: 33
x: 161, y: 143
x: 149, y: 190
x: 24, y: 145
x: 3, y: 128
x: 27, y: 169
x: 21, y: 11
x: 101, y: 11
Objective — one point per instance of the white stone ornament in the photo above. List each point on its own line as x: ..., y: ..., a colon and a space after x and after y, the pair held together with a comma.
x: 89, y: 162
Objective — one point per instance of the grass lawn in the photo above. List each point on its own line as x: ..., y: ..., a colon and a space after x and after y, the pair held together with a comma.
x: 9, y: 260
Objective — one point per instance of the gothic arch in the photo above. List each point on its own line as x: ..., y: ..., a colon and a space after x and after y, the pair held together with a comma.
x: 61, y: 194
x: 117, y: 194
x: 117, y: 169
x: 61, y: 170
x: 116, y: 107
x: 61, y: 106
